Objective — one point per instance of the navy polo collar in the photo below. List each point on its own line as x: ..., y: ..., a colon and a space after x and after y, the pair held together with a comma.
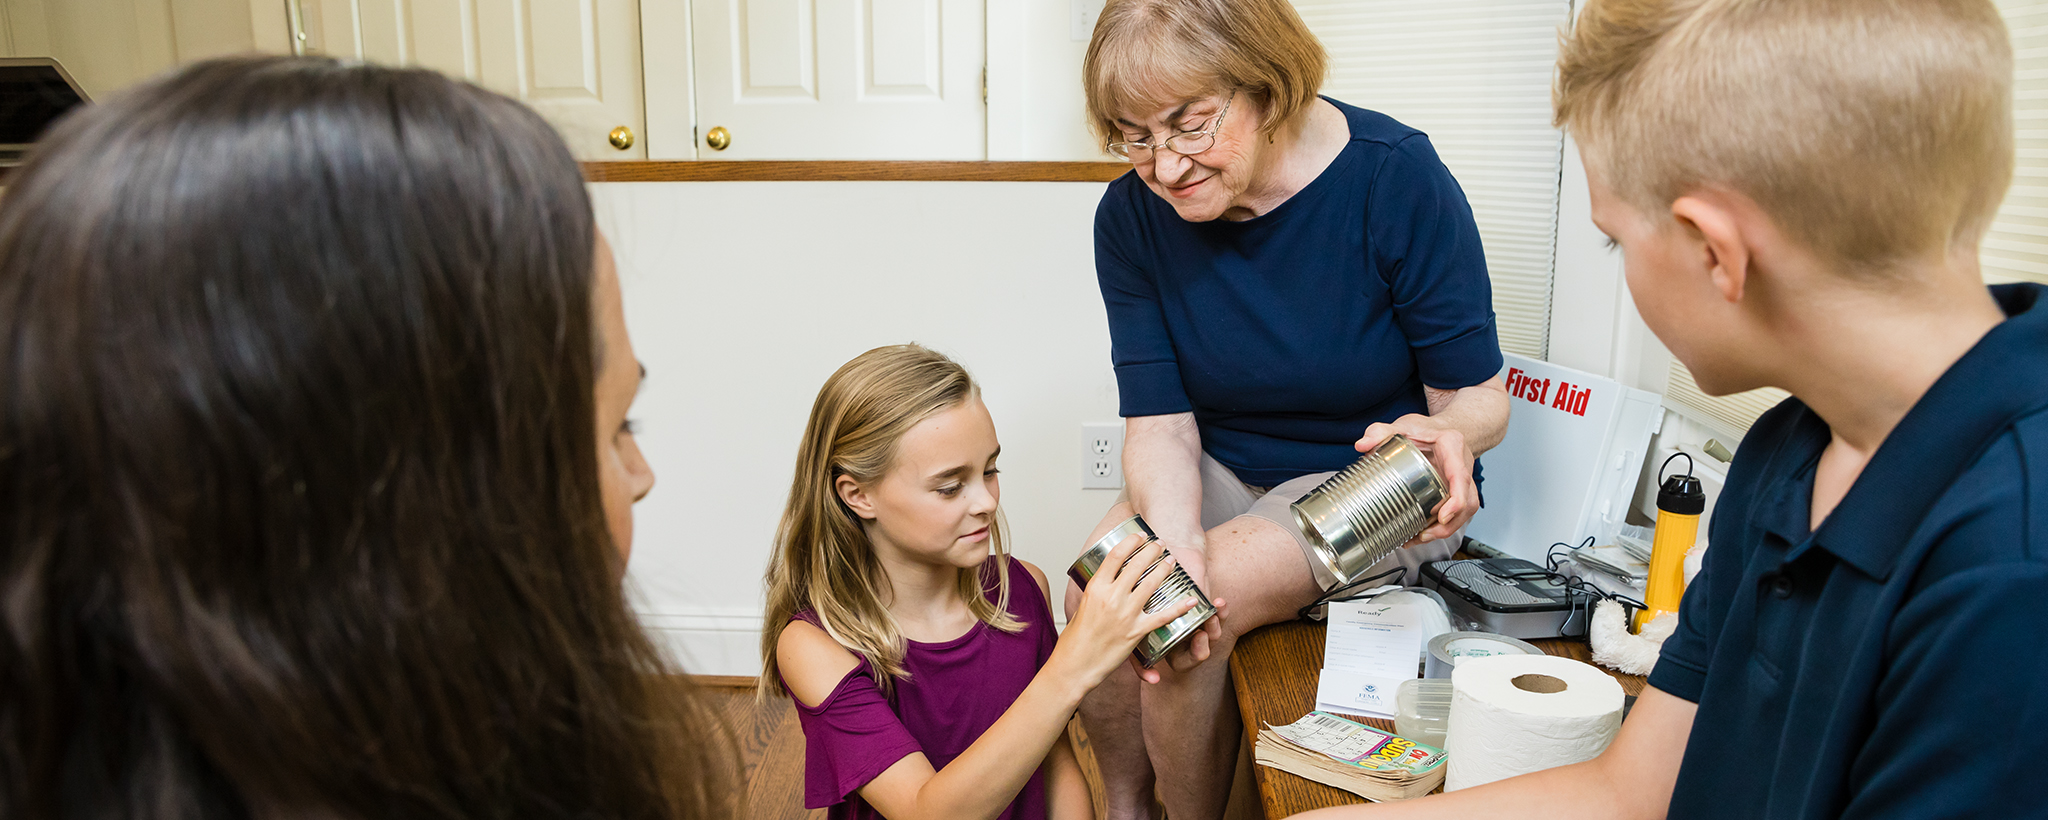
x: 1785, y: 508
x: 1998, y: 381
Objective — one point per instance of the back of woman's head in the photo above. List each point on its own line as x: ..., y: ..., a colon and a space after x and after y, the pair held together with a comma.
x: 824, y: 561
x: 299, y: 503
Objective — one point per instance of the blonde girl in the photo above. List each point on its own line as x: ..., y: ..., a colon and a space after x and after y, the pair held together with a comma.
x: 926, y: 672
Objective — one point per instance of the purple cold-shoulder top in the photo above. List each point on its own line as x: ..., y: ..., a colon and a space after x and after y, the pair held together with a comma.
x: 955, y: 691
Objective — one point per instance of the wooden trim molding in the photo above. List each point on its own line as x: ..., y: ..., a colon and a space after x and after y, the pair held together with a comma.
x: 724, y: 681
x: 816, y: 171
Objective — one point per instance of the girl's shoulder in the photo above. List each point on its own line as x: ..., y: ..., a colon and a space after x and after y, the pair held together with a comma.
x: 1028, y: 584
x: 1037, y: 577
x: 811, y: 663
x: 1031, y: 598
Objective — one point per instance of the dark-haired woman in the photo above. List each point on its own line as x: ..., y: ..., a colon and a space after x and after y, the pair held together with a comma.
x: 315, y: 479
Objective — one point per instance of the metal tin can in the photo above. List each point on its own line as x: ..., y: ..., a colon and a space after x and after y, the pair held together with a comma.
x: 1372, y: 507
x: 1177, y: 586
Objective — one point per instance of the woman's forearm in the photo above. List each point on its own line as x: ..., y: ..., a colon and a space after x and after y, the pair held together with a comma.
x: 1163, y: 471
x: 1479, y: 412
x: 1576, y: 792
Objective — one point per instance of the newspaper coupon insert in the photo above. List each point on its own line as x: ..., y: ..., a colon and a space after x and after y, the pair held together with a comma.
x: 1361, y: 746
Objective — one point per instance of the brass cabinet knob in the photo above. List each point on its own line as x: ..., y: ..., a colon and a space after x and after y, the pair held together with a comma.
x: 622, y: 138
x: 718, y: 138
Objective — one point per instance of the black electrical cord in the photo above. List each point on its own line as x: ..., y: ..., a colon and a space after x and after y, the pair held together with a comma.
x: 1581, y: 593
x: 1347, y: 591
x: 1586, y: 592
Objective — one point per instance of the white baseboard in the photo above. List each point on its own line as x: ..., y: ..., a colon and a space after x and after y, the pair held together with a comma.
x: 707, y: 642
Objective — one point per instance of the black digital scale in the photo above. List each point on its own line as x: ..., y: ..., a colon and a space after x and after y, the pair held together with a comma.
x: 1510, y: 596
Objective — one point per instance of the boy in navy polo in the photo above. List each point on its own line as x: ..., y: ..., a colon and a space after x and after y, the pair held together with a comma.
x: 1800, y: 187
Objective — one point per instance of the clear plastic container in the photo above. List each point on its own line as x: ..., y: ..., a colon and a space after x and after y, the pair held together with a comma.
x: 1422, y: 710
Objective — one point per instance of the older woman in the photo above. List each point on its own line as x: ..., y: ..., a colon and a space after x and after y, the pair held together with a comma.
x: 1289, y: 280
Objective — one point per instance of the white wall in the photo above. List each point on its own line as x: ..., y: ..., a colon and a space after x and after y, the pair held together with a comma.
x: 743, y: 296
x: 1035, y: 102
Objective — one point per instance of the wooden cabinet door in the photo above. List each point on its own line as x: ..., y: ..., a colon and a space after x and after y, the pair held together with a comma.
x: 575, y: 61
x: 840, y: 79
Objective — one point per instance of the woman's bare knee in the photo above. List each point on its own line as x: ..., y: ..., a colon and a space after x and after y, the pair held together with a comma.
x: 1259, y: 568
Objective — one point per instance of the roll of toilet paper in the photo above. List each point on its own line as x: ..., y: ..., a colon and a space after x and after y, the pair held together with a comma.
x: 1516, y: 714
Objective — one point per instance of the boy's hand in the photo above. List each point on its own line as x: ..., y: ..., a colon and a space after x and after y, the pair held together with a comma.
x: 1446, y: 449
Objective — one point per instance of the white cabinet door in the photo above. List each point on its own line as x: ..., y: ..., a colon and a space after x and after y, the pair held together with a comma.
x: 840, y: 79
x: 575, y: 61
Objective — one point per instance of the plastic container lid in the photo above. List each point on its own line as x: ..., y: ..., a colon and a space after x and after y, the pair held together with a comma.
x: 1422, y: 710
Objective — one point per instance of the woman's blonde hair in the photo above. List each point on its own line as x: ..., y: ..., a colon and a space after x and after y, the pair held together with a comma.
x: 1869, y: 131
x: 1151, y: 54
x: 823, y: 559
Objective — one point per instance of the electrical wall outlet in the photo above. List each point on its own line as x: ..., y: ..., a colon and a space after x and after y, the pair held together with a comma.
x: 1102, y: 455
x: 1085, y: 12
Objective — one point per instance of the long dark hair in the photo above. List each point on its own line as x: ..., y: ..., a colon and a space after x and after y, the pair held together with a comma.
x: 299, y: 499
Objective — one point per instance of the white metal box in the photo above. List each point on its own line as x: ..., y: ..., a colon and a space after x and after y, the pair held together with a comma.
x: 1568, y: 467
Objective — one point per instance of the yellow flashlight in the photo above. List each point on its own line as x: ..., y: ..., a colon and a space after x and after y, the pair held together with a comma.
x: 1679, y: 504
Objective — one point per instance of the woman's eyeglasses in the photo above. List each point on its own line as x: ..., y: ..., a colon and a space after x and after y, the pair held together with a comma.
x: 1185, y: 143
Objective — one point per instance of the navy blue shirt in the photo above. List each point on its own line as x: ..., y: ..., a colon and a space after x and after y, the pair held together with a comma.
x: 1894, y: 662
x: 1288, y: 334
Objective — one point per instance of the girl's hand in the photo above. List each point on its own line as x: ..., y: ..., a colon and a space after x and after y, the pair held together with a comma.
x: 1446, y: 449
x: 1112, y: 618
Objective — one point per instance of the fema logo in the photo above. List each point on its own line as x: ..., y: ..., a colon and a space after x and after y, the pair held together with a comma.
x: 1371, y: 688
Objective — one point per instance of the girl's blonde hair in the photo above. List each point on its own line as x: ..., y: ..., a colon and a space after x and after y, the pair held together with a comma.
x: 823, y: 559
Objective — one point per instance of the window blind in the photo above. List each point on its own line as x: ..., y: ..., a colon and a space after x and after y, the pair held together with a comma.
x: 1729, y: 416
x: 1475, y: 76
x: 2014, y: 250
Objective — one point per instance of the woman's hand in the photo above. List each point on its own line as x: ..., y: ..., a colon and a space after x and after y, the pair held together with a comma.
x: 1196, y: 649
x: 1112, y: 617
x: 1162, y: 467
x: 1446, y: 449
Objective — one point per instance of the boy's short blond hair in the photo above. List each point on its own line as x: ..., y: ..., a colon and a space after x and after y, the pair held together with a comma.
x: 1150, y: 54
x: 1870, y: 130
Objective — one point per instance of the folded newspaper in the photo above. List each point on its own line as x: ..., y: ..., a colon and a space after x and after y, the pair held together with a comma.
x: 1359, y: 759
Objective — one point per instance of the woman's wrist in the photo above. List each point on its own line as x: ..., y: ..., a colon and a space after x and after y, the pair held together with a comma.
x: 1176, y: 528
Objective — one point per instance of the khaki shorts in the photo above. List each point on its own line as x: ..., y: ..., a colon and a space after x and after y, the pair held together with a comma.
x: 1224, y: 497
